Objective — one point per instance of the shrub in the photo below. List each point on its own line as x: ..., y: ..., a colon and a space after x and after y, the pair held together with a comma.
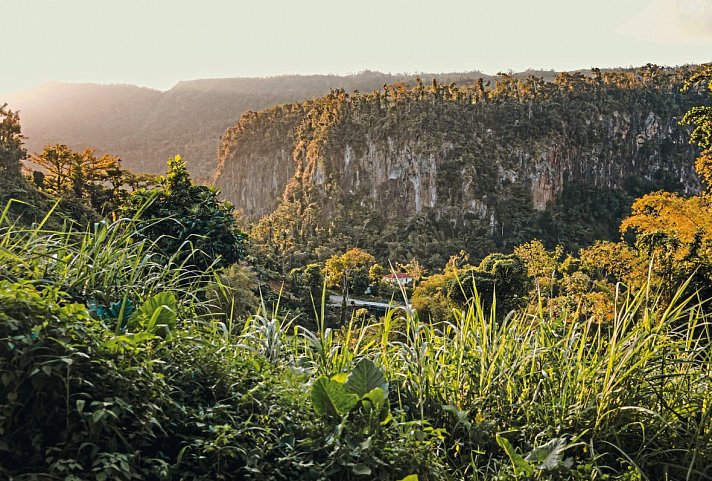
x: 183, y: 217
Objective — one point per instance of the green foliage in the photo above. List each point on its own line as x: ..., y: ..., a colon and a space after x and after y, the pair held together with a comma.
x: 524, y: 158
x: 183, y: 217
x: 331, y: 398
x: 547, y: 457
x: 11, y: 149
x: 499, y: 276
x: 672, y: 234
x: 502, y: 274
x: 701, y: 116
x: 70, y: 408
x: 99, y: 182
x: 308, y: 282
x: 348, y: 272
x: 233, y: 295
x: 364, y: 378
x: 312, y: 278
x: 365, y: 384
x: 20, y: 199
x: 157, y: 314
x: 356, y: 407
x: 86, y: 397
x: 350, y: 268
x: 521, y: 466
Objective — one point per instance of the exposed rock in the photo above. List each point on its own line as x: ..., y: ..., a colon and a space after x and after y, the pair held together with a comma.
x: 461, y: 162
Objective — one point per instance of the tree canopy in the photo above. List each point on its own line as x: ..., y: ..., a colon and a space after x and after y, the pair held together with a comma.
x: 11, y: 149
x: 179, y: 214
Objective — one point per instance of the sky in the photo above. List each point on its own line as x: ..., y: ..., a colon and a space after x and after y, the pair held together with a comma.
x: 156, y: 43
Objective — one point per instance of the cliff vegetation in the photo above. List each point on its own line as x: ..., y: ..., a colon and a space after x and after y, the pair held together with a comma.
x: 427, y: 170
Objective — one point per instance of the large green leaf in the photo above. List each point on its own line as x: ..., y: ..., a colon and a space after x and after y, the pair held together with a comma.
x: 550, y: 456
x: 521, y: 465
x: 364, y: 378
x: 461, y: 416
x: 376, y: 401
x: 330, y: 398
x: 361, y: 469
x: 160, y: 311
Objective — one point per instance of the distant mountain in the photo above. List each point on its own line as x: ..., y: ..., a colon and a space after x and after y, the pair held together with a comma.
x: 145, y: 126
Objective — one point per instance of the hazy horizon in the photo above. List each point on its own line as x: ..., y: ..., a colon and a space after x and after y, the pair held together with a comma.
x: 326, y: 74
x: 158, y: 44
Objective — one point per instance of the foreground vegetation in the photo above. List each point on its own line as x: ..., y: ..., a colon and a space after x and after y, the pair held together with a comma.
x: 115, y: 366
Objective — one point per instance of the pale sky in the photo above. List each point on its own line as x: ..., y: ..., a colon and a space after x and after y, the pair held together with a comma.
x: 155, y: 43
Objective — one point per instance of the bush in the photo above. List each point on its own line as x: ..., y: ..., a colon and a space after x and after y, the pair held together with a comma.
x: 71, y: 407
x: 183, y: 217
x: 234, y: 295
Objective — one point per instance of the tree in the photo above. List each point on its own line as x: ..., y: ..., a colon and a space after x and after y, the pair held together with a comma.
x: 11, y: 150
x: 432, y: 298
x: 376, y: 273
x: 97, y: 180
x: 414, y: 269
x: 613, y: 261
x: 499, y: 276
x: 700, y: 116
x: 672, y: 232
x: 313, y: 280
x: 59, y: 161
x: 540, y: 263
x: 29, y: 204
x: 347, y: 270
x: 187, y: 222
x: 308, y: 280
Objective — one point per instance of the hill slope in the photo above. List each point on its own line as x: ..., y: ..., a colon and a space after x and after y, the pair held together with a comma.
x: 145, y: 127
x: 430, y: 169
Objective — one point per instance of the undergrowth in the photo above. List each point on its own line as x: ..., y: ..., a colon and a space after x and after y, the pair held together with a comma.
x: 113, y: 365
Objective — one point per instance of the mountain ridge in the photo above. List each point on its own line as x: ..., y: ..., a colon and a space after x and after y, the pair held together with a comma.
x: 424, y: 171
x: 146, y: 126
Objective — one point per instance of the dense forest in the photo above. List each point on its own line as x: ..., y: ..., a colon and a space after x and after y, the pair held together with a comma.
x: 146, y: 333
x: 426, y: 170
x: 143, y: 126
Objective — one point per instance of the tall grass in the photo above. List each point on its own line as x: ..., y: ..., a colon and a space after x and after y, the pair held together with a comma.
x: 104, y: 263
x: 630, y: 396
x: 636, y: 392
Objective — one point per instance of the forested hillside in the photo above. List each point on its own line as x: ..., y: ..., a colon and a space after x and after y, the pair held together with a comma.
x: 426, y: 170
x: 145, y: 127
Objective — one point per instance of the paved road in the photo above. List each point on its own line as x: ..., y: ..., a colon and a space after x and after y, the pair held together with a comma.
x: 336, y: 300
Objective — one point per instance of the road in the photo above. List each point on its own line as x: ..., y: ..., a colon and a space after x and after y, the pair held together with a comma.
x: 336, y: 300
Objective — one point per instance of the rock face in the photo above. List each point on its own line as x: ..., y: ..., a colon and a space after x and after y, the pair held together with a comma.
x: 458, y: 165
x: 146, y: 127
x: 264, y: 144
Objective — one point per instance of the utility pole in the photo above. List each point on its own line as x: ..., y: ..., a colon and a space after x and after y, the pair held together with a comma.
x: 344, y: 295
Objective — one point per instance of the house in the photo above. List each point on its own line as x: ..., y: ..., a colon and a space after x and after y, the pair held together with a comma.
x: 399, y: 278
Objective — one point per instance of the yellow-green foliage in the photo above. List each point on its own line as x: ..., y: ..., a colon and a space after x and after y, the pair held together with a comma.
x: 353, y: 266
x: 473, y: 133
x: 233, y: 295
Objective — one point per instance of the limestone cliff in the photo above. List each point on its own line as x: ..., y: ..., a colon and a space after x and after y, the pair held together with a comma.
x: 430, y: 170
x: 146, y: 127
